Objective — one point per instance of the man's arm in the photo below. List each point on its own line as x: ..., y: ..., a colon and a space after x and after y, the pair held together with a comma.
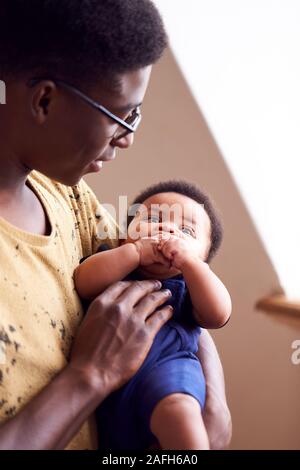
x: 100, y: 363
x: 216, y: 413
x: 52, y: 418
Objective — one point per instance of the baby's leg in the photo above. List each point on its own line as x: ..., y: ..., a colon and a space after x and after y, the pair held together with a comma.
x: 177, y: 423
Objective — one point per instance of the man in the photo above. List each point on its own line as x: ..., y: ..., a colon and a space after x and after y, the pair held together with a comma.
x: 76, y: 74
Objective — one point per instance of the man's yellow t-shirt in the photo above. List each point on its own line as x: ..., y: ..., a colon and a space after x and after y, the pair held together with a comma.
x: 40, y: 310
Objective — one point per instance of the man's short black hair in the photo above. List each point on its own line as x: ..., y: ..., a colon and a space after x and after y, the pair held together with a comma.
x: 78, y: 40
x: 193, y: 192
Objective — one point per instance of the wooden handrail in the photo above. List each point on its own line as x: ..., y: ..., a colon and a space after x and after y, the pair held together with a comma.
x: 279, y: 303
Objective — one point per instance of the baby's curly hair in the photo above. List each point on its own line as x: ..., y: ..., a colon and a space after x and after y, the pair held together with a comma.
x: 193, y: 192
x: 82, y: 41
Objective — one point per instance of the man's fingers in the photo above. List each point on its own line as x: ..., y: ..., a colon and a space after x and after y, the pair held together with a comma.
x: 114, y: 291
x: 151, y: 302
x: 158, y: 319
x: 137, y: 290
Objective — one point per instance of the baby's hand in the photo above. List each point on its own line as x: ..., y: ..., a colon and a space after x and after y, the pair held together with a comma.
x: 178, y: 250
x: 148, y: 251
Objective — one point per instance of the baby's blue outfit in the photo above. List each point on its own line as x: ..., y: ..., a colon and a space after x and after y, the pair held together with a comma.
x: 171, y: 366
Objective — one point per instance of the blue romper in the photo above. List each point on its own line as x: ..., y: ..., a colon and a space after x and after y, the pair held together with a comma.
x: 171, y: 366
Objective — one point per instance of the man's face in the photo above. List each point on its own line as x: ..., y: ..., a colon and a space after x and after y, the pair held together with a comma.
x: 66, y: 138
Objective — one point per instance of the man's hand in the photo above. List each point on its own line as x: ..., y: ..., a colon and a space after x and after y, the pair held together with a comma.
x: 110, y: 346
x: 118, y: 331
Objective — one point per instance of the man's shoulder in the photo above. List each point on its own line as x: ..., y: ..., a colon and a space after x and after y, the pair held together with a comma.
x: 93, y: 222
x: 79, y: 198
x: 55, y: 188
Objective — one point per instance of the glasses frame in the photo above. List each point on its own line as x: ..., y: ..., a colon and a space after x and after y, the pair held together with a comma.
x: 128, y: 128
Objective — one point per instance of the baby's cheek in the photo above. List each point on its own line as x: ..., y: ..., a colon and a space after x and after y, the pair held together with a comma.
x: 200, y: 250
x: 185, y: 244
x: 186, y: 248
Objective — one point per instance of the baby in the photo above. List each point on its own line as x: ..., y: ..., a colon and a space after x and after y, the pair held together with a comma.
x: 173, y: 235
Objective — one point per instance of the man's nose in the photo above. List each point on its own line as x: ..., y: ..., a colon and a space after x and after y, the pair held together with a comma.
x: 125, y: 142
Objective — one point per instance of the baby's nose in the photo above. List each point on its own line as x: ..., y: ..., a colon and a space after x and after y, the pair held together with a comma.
x: 166, y: 228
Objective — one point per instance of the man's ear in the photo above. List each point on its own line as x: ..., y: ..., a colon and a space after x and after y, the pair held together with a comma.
x: 42, y: 97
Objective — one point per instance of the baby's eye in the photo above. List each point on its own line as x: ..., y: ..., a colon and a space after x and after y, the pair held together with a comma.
x: 154, y: 219
x: 188, y: 231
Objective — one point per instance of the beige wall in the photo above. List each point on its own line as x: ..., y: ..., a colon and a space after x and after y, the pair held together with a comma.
x: 174, y: 141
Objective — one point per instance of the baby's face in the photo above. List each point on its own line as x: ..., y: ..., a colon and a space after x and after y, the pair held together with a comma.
x: 172, y: 214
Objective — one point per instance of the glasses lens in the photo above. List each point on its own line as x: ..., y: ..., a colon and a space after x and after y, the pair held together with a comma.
x: 133, y: 120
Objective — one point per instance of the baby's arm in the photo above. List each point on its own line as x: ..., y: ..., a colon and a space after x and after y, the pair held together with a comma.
x: 210, y: 298
x: 99, y: 271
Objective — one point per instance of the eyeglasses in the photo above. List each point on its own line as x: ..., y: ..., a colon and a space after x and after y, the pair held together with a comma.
x: 128, y: 126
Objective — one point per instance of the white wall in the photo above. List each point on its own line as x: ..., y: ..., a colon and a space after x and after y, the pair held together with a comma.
x: 241, y: 60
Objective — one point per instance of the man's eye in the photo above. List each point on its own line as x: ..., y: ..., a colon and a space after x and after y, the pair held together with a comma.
x: 188, y: 231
